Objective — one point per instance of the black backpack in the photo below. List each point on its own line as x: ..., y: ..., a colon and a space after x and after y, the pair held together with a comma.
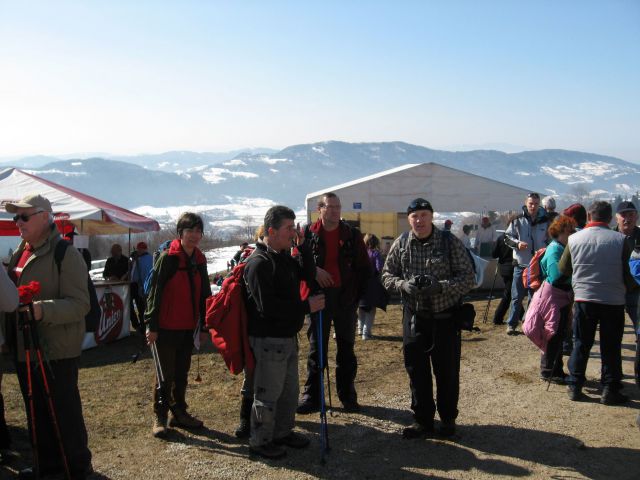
x: 91, y: 319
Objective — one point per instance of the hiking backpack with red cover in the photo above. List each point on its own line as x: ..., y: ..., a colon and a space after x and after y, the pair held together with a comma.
x: 228, y: 322
x: 532, y: 276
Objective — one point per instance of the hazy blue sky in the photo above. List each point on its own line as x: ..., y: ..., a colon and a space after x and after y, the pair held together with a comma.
x: 150, y: 76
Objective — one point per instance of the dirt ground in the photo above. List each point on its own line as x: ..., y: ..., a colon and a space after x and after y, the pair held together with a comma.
x: 509, y: 424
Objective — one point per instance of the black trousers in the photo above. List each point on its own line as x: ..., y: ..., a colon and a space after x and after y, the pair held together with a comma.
x: 505, y: 301
x: 611, y: 320
x: 344, y: 324
x: 174, y: 350
x: 62, y: 377
x: 431, y: 343
x: 137, y: 307
x: 551, y: 361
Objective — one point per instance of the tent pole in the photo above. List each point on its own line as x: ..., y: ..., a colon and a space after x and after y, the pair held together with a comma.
x: 129, y: 250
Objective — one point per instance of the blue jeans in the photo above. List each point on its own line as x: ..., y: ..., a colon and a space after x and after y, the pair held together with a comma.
x: 518, y: 292
x: 631, y: 306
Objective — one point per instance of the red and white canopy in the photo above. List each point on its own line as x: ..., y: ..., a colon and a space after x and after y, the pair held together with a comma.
x: 90, y: 215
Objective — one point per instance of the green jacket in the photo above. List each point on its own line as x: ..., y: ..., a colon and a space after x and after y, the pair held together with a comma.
x: 64, y: 297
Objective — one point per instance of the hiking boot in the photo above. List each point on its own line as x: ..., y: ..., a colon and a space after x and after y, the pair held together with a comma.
x: 575, y: 394
x: 244, y: 428
x: 612, y: 397
x: 181, y: 418
x: 351, y: 406
x: 293, y: 440
x: 29, y: 473
x: 447, y: 428
x: 555, y: 379
x: 417, y: 430
x: 269, y: 450
x: 307, y: 406
x: 511, y: 330
x: 159, y: 428
x: 7, y: 455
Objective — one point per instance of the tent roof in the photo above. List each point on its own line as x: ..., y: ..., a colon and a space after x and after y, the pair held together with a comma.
x: 448, y: 190
x: 90, y: 215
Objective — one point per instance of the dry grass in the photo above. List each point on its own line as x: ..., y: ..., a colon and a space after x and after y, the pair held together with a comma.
x: 508, y: 425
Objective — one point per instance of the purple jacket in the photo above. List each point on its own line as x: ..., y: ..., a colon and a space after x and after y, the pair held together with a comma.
x: 543, y: 314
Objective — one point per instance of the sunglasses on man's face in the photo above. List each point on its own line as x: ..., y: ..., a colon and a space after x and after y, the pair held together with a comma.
x: 24, y: 217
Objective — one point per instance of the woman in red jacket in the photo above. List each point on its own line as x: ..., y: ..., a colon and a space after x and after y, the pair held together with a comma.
x: 175, y: 314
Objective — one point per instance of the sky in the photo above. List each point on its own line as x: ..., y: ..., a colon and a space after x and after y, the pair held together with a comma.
x: 125, y: 77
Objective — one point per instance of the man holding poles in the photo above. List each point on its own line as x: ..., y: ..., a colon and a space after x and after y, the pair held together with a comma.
x: 342, y: 271
x: 276, y: 314
x: 58, y: 314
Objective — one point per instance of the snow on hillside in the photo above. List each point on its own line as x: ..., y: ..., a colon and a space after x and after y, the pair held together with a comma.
x: 222, y: 218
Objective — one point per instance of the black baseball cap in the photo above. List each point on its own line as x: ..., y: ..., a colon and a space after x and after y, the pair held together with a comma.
x: 626, y: 207
x: 419, y: 204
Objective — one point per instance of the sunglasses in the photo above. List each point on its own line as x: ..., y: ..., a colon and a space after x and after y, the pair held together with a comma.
x: 534, y: 195
x: 422, y: 205
x: 24, y: 217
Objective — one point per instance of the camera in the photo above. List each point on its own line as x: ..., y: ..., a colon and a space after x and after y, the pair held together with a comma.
x: 422, y: 281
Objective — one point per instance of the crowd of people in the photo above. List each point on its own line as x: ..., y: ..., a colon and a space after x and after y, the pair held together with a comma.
x: 331, y: 274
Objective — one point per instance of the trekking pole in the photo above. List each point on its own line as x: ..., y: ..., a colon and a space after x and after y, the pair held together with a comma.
x: 486, y: 310
x: 555, y: 364
x: 33, y: 333
x: 324, y: 433
x: 162, y: 399
x: 329, y: 386
x: 32, y: 414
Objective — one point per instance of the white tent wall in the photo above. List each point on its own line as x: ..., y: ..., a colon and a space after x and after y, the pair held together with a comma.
x: 448, y: 190
x: 379, y: 202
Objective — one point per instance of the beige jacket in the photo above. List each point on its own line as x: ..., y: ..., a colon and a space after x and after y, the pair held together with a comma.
x: 64, y: 297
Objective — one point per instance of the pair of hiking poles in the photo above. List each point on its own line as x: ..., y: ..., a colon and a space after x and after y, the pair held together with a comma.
x: 32, y: 341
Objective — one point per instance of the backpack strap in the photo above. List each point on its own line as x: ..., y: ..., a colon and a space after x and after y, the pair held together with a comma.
x: 404, y: 240
x: 59, y: 252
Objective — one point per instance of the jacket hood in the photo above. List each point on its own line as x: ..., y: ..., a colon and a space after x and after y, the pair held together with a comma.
x: 541, y: 215
x: 175, y: 248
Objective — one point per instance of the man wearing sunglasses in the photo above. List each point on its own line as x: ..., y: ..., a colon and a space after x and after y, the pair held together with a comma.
x: 59, y: 310
x: 525, y: 234
x: 432, y: 271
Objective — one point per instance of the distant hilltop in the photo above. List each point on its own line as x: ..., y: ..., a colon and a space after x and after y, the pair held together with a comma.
x: 286, y: 176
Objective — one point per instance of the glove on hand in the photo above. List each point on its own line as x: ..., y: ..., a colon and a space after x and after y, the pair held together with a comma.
x: 410, y: 288
x: 432, y: 287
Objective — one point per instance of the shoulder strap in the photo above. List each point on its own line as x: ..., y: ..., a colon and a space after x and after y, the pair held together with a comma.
x: 59, y: 252
x: 404, y: 239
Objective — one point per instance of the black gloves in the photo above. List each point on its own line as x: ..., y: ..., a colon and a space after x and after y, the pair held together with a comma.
x: 422, y: 285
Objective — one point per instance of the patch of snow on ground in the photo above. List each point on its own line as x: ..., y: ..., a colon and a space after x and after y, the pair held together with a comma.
x: 76, y: 164
x: 218, y: 257
x: 235, y: 162
x: 319, y: 150
x: 214, y: 175
x: 53, y: 171
x: 273, y: 161
x: 243, y: 174
x: 595, y: 168
x: 523, y: 174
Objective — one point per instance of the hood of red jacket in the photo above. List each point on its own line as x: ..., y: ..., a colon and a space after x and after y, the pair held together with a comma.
x: 175, y: 248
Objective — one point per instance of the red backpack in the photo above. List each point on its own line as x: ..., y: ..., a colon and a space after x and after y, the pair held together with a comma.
x: 227, y: 321
x: 532, y: 276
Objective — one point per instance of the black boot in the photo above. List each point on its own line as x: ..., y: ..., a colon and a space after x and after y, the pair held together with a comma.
x: 5, y: 439
x: 244, y: 428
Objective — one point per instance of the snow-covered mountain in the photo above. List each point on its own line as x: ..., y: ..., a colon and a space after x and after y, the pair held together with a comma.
x: 288, y: 175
